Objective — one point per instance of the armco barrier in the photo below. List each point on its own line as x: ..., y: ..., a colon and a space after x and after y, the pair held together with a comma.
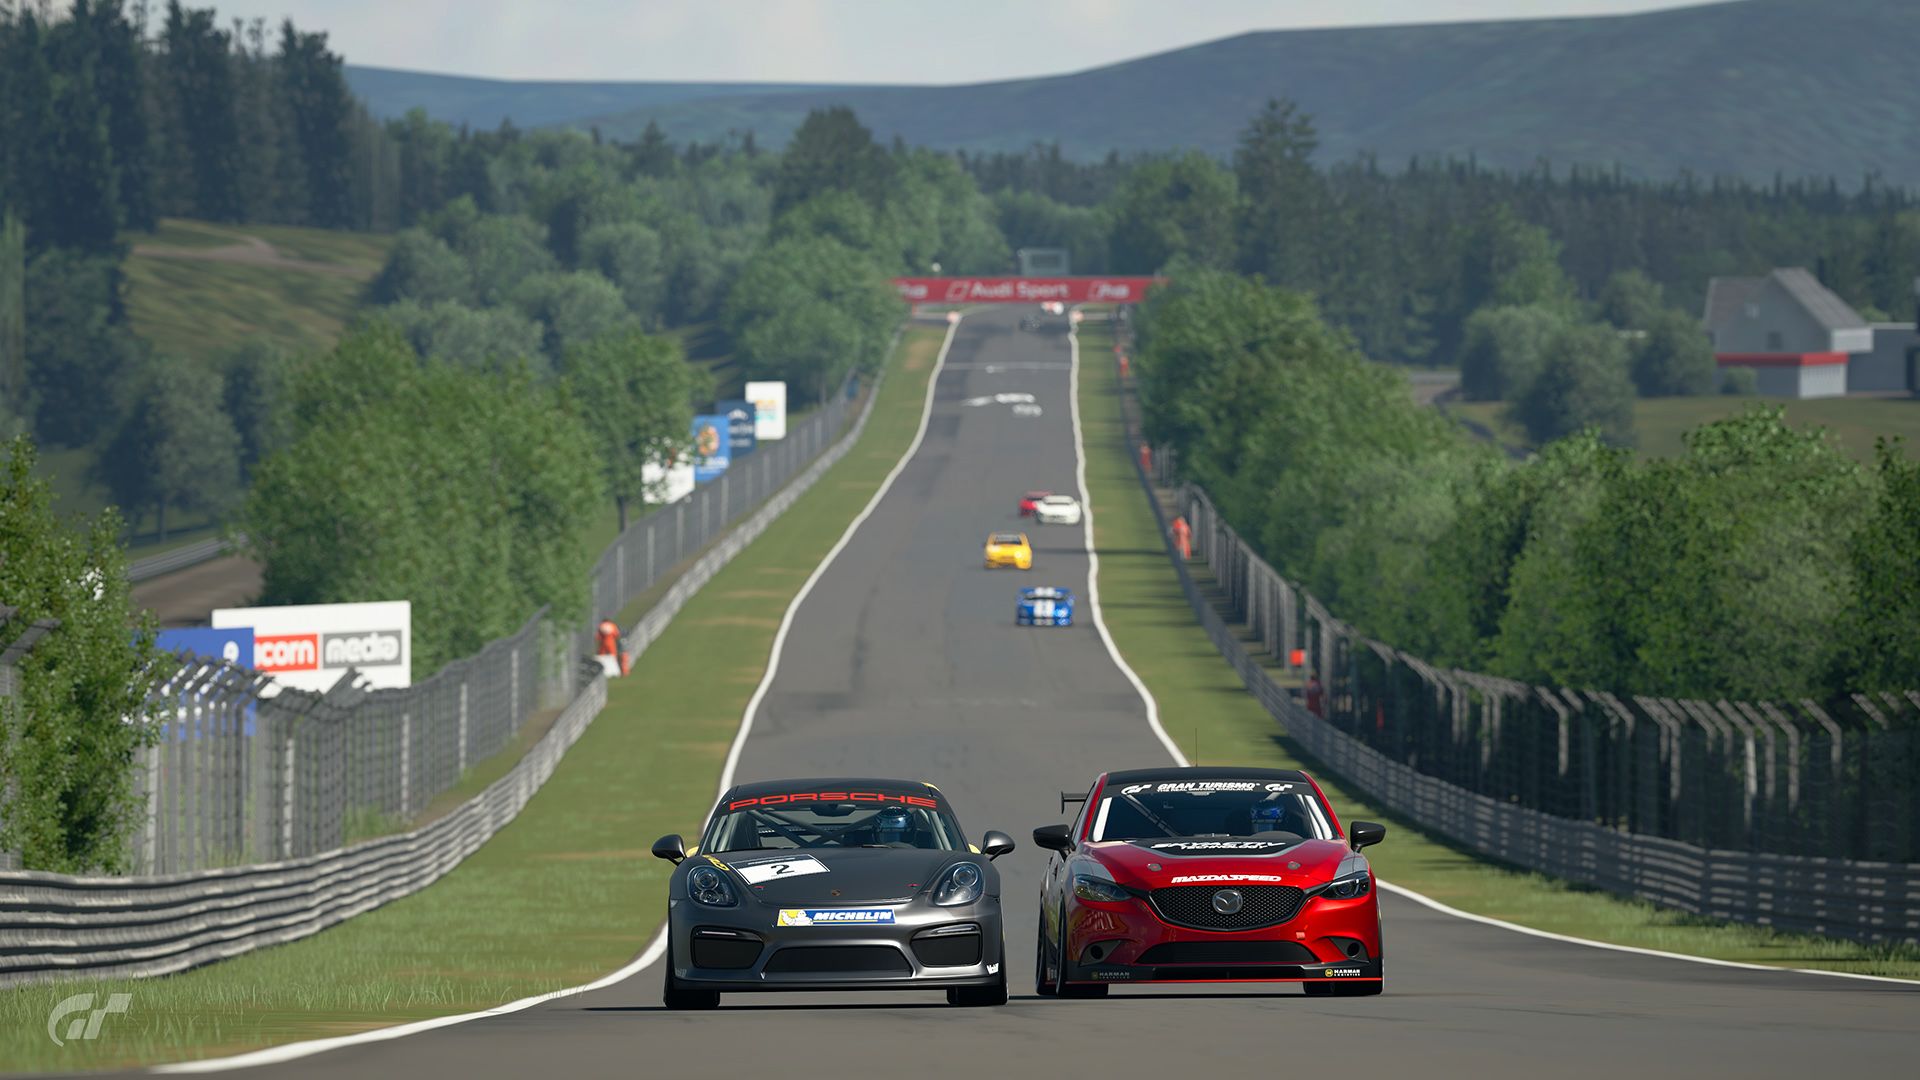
x: 54, y: 925
x: 178, y: 559
x: 1857, y: 899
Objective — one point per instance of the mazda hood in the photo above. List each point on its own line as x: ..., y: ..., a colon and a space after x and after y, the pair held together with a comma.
x: 1156, y: 863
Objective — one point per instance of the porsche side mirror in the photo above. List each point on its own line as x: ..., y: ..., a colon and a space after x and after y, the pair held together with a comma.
x: 1054, y: 837
x: 671, y: 848
x: 1365, y: 834
x: 995, y: 844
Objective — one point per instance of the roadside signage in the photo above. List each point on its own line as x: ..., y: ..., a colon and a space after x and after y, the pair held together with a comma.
x: 234, y: 644
x: 309, y: 646
x: 769, y: 409
x: 1023, y: 290
x: 712, y: 447
x: 740, y: 416
x: 667, y: 483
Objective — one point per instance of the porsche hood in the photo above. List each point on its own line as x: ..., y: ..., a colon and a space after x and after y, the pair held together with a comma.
x: 829, y: 876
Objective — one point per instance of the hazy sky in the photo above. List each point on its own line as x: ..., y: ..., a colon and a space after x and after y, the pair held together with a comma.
x: 919, y: 41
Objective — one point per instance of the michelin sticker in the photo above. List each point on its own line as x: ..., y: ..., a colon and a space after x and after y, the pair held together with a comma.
x: 761, y: 870
x: 836, y: 917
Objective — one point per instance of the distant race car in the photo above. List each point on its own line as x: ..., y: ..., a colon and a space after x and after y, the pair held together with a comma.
x: 1045, y: 606
x: 1057, y: 510
x: 1031, y: 501
x: 1208, y: 875
x: 1009, y: 549
x: 834, y: 885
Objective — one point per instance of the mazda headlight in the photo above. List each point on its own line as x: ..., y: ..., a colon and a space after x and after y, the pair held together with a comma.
x: 1088, y: 887
x: 1350, y: 887
x: 710, y: 887
x: 959, y: 885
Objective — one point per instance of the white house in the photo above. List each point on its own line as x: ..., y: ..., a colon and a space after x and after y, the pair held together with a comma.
x: 1793, y: 332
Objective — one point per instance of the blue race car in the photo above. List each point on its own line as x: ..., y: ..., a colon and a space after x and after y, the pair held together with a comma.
x: 1044, y: 606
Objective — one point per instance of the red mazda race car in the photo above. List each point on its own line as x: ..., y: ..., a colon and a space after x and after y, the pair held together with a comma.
x: 1208, y: 875
x: 1030, y: 502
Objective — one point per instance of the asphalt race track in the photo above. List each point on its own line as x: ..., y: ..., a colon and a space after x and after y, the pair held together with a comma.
x: 905, y: 661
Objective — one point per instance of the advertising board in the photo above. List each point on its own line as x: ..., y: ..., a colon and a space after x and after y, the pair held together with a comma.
x: 1023, y: 290
x: 769, y: 409
x: 309, y: 646
x: 712, y: 447
x: 740, y: 424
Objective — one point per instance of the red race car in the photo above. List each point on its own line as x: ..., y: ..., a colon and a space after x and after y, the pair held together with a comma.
x: 1030, y: 502
x: 1208, y: 875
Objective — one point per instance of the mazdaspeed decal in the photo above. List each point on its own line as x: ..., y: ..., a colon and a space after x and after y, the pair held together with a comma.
x: 1227, y: 879
x: 759, y: 870
x: 836, y: 917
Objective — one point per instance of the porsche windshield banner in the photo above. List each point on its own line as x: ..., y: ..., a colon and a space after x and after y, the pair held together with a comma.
x: 1023, y: 290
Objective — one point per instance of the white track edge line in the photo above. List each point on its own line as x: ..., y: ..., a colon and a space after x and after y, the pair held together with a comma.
x: 1093, y: 553
x: 1173, y: 750
x: 274, y: 1055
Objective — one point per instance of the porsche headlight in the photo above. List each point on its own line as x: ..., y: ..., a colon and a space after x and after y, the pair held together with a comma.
x: 1088, y: 887
x: 1350, y: 887
x: 710, y: 887
x: 959, y: 885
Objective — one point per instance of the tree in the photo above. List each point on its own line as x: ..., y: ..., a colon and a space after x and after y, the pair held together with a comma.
x: 1283, y: 200
x: 1879, y: 649
x: 1674, y: 358
x: 1584, y: 384
x: 469, y: 493
x: 78, y: 346
x: 635, y: 395
x: 16, y: 406
x: 67, y: 742
x: 809, y: 310
x: 632, y: 256
x: 420, y: 266
x: 572, y: 309
x: 1506, y: 348
x: 176, y: 449
x: 254, y: 390
x: 831, y: 151
x: 314, y: 91
x: 1168, y: 208
x: 468, y: 337
x: 1631, y: 299
x: 196, y: 82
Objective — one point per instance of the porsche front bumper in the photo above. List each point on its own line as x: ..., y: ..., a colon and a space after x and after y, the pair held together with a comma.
x: 923, y: 948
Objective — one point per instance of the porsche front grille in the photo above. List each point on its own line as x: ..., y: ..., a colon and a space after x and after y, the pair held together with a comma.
x: 1260, y: 906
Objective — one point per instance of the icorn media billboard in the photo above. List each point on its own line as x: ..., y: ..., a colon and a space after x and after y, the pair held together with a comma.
x: 309, y: 646
x: 769, y: 409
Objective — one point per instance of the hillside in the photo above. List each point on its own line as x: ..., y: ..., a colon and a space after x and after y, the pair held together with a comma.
x: 484, y: 103
x: 1799, y: 87
x: 195, y: 288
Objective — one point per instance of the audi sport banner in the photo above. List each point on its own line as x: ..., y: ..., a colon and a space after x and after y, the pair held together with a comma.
x: 309, y: 646
x: 1023, y: 290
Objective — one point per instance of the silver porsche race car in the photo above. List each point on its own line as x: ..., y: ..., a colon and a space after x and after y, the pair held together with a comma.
x: 834, y: 885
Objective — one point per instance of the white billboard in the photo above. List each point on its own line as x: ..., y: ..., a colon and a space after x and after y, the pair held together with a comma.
x: 309, y: 646
x: 769, y: 409
x: 667, y: 483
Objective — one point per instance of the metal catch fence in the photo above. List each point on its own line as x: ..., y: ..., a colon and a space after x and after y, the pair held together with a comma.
x: 1801, y: 815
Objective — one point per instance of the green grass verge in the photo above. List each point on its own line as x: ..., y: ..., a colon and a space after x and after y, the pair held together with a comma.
x: 1207, y: 710
x: 565, y: 893
x: 1659, y: 423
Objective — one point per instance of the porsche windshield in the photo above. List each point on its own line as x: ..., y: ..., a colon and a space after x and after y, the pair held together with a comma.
x: 831, y: 823
x: 1211, y: 808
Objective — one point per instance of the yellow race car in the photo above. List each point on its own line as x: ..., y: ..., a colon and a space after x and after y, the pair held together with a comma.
x: 1009, y: 549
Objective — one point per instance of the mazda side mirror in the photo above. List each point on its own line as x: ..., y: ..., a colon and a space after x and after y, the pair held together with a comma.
x: 670, y: 848
x: 995, y: 844
x: 1365, y: 834
x: 1054, y: 837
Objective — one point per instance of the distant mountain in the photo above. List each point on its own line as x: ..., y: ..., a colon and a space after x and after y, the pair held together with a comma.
x: 483, y: 103
x: 1748, y: 88
x: 1800, y: 87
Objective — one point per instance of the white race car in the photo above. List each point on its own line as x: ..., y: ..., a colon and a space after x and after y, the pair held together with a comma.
x: 1057, y: 510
